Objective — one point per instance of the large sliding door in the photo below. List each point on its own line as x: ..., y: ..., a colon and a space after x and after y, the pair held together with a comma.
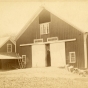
x: 38, y: 55
x: 57, y: 51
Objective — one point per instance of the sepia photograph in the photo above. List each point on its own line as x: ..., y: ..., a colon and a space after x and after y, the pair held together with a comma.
x: 43, y: 44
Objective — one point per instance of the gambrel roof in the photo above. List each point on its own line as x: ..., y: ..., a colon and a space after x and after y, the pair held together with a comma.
x: 37, y: 13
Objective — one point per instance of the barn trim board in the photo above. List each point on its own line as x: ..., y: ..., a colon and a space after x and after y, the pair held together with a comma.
x: 85, y: 50
x: 67, y: 40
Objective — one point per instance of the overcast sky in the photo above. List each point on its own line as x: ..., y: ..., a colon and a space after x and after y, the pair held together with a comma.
x: 14, y: 15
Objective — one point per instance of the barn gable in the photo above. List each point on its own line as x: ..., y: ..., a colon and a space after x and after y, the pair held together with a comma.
x: 43, y: 15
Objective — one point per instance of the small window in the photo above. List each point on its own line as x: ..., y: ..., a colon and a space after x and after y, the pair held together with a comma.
x: 72, y: 57
x: 24, y: 59
x: 52, y: 39
x: 38, y: 40
x: 9, y: 48
x: 44, y: 28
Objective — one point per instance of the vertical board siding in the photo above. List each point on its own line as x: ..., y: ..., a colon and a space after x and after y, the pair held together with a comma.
x: 76, y: 46
x: 4, y: 47
x: 28, y: 52
x: 9, y: 64
x: 28, y: 36
x: 44, y: 16
x: 31, y: 33
x: 57, y: 28
x: 65, y: 31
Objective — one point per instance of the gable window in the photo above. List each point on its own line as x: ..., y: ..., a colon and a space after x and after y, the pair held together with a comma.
x: 72, y: 57
x: 9, y: 48
x: 44, y: 28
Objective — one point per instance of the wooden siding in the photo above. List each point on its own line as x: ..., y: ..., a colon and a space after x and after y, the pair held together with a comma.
x: 78, y: 47
x: 7, y: 64
x: 62, y: 30
x: 4, y: 47
x: 44, y: 17
x: 29, y: 35
x: 28, y: 52
x: 57, y: 28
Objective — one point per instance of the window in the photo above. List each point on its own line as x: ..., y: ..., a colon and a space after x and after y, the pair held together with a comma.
x: 38, y: 40
x: 24, y: 59
x: 9, y: 48
x: 44, y: 28
x: 52, y: 39
x: 72, y: 57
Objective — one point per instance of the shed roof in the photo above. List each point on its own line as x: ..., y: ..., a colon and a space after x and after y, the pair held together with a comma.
x: 4, y: 55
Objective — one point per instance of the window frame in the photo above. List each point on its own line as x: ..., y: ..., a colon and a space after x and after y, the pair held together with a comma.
x: 73, y: 57
x: 38, y: 39
x: 42, y: 28
x: 52, y: 38
x: 25, y: 58
x: 7, y: 48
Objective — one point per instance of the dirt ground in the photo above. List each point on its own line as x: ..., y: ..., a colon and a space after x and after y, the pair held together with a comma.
x: 42, y: 78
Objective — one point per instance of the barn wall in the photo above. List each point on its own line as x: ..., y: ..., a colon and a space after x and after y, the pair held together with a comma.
x: 76, y: 46
x: 57, y: 28
x: 44, y: 16
x: 28, y: 52
x: 65, y: 31
x: 7, y: 64
x: 29, y: 35
x: 4, y: 47
x: 62, y: 30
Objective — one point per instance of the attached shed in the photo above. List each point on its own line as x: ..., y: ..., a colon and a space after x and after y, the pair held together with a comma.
x: 8, y: 56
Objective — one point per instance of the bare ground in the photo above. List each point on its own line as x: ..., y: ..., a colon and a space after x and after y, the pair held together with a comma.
x: 42, y: 78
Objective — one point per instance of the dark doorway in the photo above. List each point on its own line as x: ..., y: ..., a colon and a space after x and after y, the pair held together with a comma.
x: 48, y: 58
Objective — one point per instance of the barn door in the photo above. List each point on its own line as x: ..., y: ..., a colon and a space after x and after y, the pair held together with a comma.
x: 57, y: 54
x: 38, y: 55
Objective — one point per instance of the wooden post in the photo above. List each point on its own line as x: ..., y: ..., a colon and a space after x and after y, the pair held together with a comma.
x: 85, y: 50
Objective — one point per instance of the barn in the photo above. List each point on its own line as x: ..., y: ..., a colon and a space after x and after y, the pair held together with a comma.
x: 8, y: 57
x: 47, y: 40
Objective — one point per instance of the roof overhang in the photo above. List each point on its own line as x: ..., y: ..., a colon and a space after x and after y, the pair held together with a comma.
x: 67, y: 40
x: 28, y: 24
x: 8, y: 57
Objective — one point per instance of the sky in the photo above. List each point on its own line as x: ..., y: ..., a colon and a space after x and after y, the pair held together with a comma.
x: 15, y: 15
